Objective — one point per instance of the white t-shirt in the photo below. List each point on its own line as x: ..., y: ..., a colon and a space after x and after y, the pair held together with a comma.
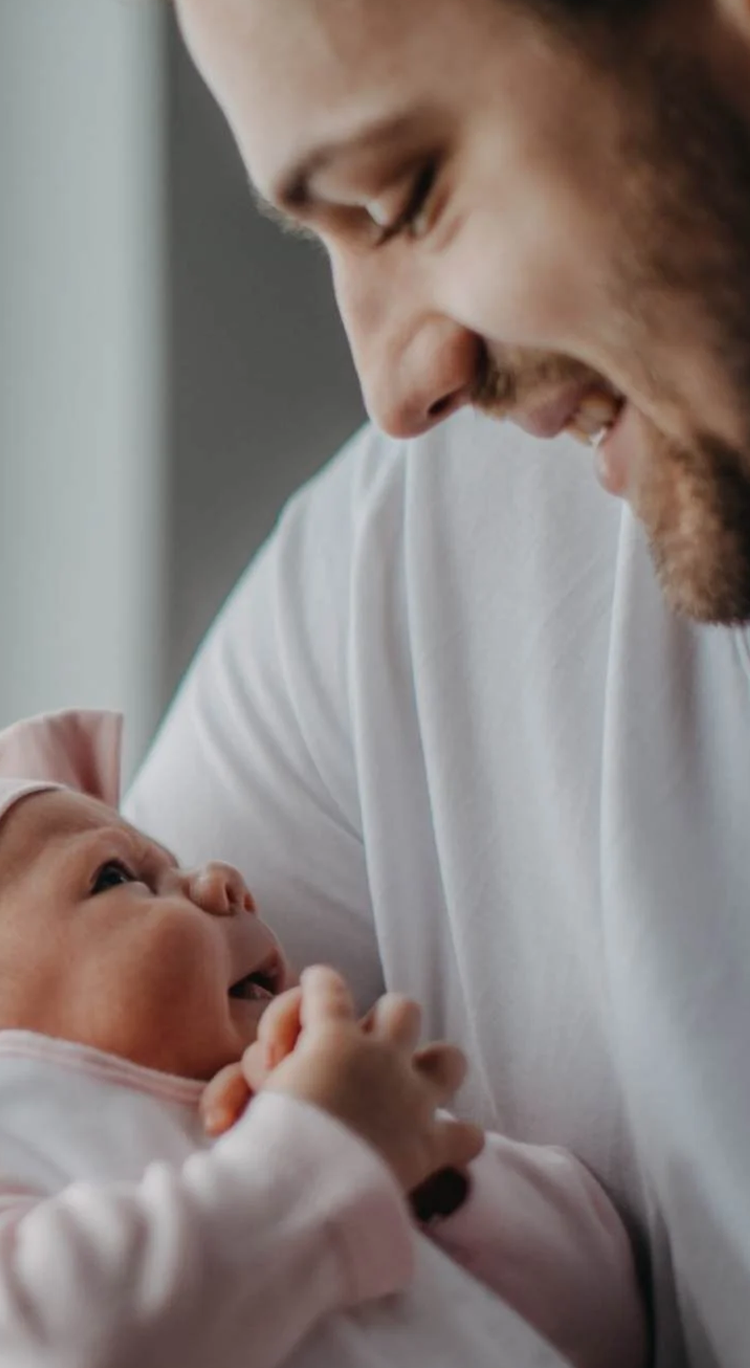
x: 457, y: 745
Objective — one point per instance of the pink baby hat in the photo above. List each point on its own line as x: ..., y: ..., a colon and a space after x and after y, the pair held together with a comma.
x: 75, y: 750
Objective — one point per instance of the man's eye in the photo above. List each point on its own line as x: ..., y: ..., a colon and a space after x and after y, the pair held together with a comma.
x: 411, y: 220
x: 111, y: 875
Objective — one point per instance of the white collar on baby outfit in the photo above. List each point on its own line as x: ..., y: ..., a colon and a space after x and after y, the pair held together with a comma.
x: 109, y: 1068
x: 70, y: 1112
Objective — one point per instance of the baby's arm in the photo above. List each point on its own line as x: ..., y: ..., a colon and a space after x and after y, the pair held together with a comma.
x: 232, y: 1258
x: 539, y: 1230
x: 536, y: 1227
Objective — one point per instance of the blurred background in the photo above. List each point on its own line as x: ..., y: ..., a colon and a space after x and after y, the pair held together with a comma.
x: 171, y: 366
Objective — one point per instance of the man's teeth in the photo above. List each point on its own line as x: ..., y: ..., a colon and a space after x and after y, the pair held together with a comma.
x: 594, y: 417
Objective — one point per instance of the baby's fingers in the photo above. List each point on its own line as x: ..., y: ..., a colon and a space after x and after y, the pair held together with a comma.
x: 278, y: 1032
x: 457, y: 1143
x: 444, y: 1066
x: 395, y: 1018
x: 325, y: 997
x: 280, y: 1026
x: 224, y: 1100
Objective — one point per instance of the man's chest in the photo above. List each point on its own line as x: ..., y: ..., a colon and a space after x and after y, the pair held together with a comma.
x: 574, y: 905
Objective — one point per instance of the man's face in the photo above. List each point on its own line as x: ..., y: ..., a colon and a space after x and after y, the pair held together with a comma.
x: 105, y: 941
x: 550, y: 226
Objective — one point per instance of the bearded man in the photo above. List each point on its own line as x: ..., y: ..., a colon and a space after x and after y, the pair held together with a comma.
x: 473, y: 728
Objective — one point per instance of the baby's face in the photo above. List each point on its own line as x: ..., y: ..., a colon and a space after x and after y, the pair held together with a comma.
x: 104, y: 940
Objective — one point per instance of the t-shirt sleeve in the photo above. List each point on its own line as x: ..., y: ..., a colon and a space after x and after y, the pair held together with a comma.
x: 254, y: 763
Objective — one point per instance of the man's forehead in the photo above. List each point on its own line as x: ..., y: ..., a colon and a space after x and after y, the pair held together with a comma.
x: 298, y: 76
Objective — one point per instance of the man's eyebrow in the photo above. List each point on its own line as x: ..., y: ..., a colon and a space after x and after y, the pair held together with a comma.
x: 283, y: 219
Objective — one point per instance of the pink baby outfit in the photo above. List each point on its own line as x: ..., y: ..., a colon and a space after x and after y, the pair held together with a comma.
x: 127, y: 1238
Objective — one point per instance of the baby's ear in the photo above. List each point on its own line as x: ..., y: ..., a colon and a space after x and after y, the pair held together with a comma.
x: 224, y: 1100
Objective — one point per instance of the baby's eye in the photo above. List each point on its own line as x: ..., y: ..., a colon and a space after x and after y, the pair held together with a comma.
x: 111, y: 875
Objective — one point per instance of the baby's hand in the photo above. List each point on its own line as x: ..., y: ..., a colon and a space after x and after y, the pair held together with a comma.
x: 372, y: 1078
x: 367, y: 1074
x: 225, y: 1098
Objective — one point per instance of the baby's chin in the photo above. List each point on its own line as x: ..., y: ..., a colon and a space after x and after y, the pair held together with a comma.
x: 202, y: 1039
x: 203, y: 1053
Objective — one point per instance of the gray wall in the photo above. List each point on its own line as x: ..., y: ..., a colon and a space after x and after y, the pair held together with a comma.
x: 262, y: 389
x: 171, y: 367
x: 81, y: 358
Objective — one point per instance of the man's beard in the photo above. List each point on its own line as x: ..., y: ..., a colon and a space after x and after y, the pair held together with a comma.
x: 694, y: 503
x: 684, y: 235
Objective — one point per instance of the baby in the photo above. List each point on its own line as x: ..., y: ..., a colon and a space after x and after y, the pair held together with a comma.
x: 204, y: 1163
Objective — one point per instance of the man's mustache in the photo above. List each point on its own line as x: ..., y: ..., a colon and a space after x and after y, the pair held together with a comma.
x: 521, y: 377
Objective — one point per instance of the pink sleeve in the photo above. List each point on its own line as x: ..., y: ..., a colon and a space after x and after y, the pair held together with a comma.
x: 230, y: 1260
x: 539, y: 1230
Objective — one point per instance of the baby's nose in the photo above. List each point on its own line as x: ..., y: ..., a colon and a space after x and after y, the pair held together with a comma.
x: 220, y: 890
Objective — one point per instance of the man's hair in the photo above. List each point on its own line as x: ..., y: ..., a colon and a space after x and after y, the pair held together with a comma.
x: 597, y: 25
x: 577, y: 13
x: 598, y: 9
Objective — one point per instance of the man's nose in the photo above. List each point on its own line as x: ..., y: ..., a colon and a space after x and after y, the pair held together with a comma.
x: 218, y: 889
x: 412, y: 388
x: 415, y: 367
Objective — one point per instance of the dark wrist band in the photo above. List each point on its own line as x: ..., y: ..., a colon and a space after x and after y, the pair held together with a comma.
x: 440, y: 1196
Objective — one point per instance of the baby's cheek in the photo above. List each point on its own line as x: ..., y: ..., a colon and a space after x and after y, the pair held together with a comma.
x: 187, y: 952
x: 182, y: 972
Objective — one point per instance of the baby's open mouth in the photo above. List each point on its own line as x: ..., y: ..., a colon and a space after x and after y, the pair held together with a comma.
x: 261, y: 983
x: 253, y: 987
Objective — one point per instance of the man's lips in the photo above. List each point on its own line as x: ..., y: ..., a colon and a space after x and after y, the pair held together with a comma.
x: 583, y: 407
x: 596, y: 415
x: 616, y: 452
